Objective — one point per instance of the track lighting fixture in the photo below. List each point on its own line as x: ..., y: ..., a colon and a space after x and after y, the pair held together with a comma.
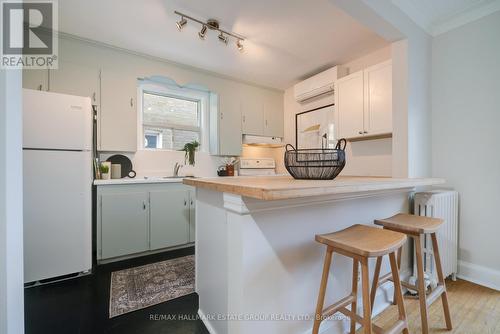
x: 203, y: 32
x: 211, y: 24
x: 180, y: 24
x: 222, y: 38
x: 239, y: 45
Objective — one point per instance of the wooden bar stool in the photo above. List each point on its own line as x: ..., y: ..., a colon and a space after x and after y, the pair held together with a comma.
x: 416, y: 227
x: 361, y: 242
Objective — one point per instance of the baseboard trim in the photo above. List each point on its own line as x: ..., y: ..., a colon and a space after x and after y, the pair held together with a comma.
x: 141, y: 254
x: 474, y: 273
x: 205, y: 321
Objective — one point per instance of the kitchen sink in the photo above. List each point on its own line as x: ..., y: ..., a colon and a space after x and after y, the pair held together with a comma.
x: 166, y: 177
x: 180, y: 177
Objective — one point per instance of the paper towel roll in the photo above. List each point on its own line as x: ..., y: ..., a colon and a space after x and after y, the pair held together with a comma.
x: 116, y: 171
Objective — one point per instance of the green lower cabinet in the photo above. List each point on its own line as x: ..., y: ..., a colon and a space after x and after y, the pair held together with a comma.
x: 169, y: 218
x: 192, y: 216
x: 137, y: 219
x: 124, y: 224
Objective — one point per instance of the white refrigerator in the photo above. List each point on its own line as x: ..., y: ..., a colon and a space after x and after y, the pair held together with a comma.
x: 57, y: 178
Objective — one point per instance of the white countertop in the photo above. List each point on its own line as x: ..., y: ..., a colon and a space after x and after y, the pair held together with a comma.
x: 138, y: 180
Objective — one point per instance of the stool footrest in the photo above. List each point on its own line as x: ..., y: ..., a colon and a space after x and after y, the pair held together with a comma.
x: 431, y: 298
x: 385, y: 278
x: 388, y: 277
x: 351, y: 314
x: 409, y: 286
x: 334, y: 308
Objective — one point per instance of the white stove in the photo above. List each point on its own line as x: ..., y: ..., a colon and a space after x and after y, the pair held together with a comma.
x: 257, y: 166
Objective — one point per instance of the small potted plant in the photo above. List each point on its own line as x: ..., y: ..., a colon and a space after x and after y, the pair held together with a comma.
x: 104, y: 168
x: 189, y: 150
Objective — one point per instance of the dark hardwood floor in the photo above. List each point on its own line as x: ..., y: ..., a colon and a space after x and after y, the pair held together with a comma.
x: 81, y: 306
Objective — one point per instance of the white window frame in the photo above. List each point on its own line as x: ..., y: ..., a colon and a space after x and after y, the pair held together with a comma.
x: 203, y: 97
x: 159, y: 140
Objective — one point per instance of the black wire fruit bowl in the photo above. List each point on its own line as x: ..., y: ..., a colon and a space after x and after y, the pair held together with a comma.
x: 315, y: 164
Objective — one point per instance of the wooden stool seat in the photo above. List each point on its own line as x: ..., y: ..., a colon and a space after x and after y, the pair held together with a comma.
x: 361, y: 242
x: 367, y: 241
x: 417, y: 227
x: 412, y: 224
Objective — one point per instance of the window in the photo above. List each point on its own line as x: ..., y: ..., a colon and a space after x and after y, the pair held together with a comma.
x: 170, y: 121
x: 153, y: 139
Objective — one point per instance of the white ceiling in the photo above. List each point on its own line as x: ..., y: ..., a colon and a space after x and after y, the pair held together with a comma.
x: 439, y: 16
x: 286, y: 40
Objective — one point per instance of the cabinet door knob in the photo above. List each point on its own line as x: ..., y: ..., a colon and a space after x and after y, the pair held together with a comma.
x: 365, y: 131
x: 40, y: 87
x: 185, y: 202
x: 131, y: 101
x: 360, y: 132
x: 93, y: 97
x: 144, y: 205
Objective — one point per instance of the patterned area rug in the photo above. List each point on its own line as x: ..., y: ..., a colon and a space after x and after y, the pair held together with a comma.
x: 136, y: 288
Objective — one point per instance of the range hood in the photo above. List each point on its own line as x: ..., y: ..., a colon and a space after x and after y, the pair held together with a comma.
x: 262, y: 141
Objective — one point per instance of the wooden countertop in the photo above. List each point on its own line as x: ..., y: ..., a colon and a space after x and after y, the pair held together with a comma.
x: 285, y: 187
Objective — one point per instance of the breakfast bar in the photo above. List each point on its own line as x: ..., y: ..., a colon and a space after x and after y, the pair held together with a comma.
x: 257, y: 265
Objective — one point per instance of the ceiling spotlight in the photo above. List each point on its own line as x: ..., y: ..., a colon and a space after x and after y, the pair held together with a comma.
x: 223, y: 38
x: 239, y: 44
x: 203, y: 32
x: 180, y: 24
x: 211, y: 24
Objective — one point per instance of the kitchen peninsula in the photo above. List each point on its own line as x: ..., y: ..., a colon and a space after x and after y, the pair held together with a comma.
x: 256, y: 259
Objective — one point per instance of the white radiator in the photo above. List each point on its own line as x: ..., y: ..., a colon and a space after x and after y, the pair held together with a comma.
x: 439, y: 204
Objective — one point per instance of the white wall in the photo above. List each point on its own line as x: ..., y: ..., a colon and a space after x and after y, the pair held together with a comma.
x: 11, y: 204
x: 465, y: 132
x: 411, y: 56
x: 372, y: 58
x: 96, y: 55
x: 366, y: 158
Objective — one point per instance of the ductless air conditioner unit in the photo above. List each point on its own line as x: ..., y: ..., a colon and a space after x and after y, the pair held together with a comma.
x: 321, y: 84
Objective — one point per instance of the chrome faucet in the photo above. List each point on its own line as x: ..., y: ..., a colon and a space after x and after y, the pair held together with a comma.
x: 176, y: 169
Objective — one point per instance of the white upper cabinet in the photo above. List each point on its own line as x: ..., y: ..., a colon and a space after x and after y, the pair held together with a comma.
x: 252, y: 112
x: 349, y: 105
x: 118, y: 116
x: 262, y: 113
x: 363, y: 102
x: 69, y: 78
x: 75, y: 79
x: 226, y: 133
x: 273, y: 115
x: 378, y: 99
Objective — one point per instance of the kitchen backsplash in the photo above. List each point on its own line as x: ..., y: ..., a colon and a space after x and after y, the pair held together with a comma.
x: 161, y: 163
x: 266, y: 152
